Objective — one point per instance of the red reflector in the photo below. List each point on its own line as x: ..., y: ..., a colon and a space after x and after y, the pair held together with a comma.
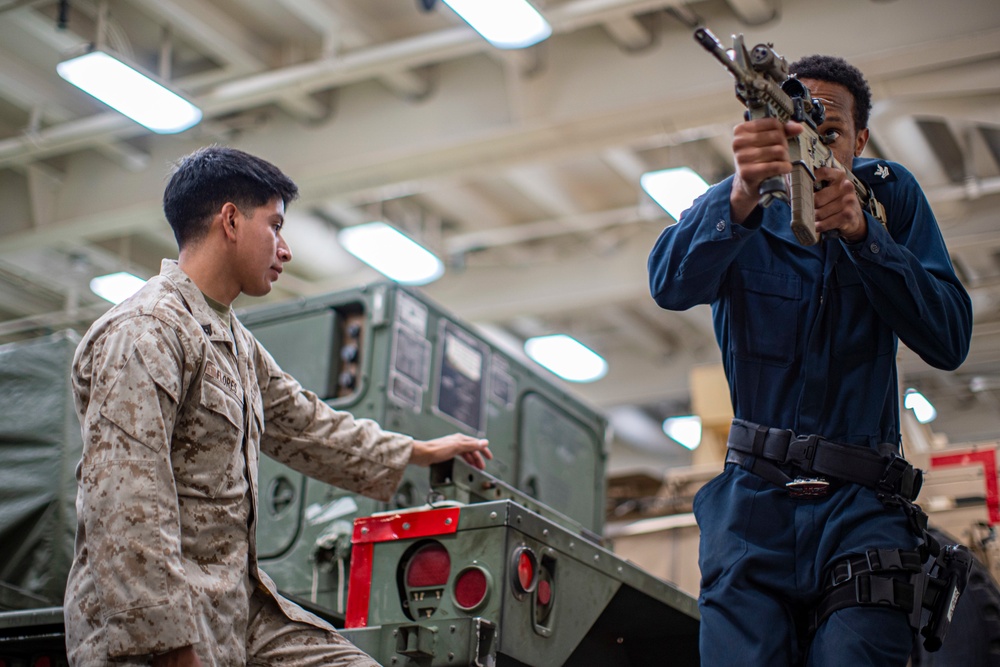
x: 42, y: 661
x: 430, y: 566
x: 526, y: 570
x: 544, y: 592
x: 470, y: 588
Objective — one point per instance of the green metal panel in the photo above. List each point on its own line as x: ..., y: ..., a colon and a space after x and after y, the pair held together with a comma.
x: 557, y: 468
x: 586, y: 581
x: 388, y: 353
x: 316, y: 339
x: 460, y: 641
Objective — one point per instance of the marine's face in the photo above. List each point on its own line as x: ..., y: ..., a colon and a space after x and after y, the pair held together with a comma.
x: 262, y: 252
x: 847, y: 141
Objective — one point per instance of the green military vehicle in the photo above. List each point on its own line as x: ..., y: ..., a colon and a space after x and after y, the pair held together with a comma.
x: 502, y: 567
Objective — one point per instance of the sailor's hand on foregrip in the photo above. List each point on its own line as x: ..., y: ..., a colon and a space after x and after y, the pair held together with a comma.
x: 760, y: 150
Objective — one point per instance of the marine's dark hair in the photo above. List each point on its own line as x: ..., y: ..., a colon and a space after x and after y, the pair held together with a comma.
x: 208, y: 178
x: 837, y: 70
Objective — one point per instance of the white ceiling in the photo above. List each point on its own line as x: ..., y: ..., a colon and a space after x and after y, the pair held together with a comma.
x: 520, y: 168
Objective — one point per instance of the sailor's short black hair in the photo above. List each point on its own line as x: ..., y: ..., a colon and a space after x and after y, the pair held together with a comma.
x: 837, y: 70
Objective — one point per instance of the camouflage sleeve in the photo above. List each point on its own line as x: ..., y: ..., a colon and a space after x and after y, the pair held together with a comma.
x: 127, y: 496
x: 303, y: 432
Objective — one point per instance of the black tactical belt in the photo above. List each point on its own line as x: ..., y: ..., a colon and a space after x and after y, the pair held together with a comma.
x: 761, y: 449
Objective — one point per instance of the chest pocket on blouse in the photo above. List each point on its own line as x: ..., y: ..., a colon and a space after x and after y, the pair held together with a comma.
x: 221, y: 402
x: 765, y: 312
x: 211, y: 435
x: 861, y: 334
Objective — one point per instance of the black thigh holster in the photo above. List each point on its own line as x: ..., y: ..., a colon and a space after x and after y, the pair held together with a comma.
x: 897, y: 579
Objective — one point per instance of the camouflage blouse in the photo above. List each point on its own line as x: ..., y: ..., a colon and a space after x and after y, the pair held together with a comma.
x: 175, y: 408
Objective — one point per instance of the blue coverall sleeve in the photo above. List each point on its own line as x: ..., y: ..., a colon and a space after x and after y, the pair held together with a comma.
x: 689, y: 260
x: 909, y: 278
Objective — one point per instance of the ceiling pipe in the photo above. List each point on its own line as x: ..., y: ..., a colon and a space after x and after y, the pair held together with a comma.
x: 753, y: 12
x: 314, y: 76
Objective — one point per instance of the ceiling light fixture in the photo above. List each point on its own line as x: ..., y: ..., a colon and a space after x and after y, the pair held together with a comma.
x: 506, y: 24
x: 684, y: 430
x: 566, y: 357
x: 116, y: 287
x: 923, y: 410
x: 130, y: 92
x: 674, y: 189
x: 391, y: 253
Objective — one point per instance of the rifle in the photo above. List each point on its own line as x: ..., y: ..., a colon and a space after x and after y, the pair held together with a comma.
x: 765, y: 87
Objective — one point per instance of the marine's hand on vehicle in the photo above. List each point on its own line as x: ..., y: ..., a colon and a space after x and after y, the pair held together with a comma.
x: 475, y: 451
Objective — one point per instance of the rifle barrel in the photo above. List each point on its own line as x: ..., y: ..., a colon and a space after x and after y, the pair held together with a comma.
x: 705, y: 37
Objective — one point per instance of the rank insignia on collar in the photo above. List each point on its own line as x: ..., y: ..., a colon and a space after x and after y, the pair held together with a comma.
x: 882, y: 171
x: 207, y: 328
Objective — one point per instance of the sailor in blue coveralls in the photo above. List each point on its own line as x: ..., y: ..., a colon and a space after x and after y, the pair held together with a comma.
x: 808, y: 337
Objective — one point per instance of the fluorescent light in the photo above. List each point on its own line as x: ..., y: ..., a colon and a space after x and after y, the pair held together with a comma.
x: 922, y: 408
x: 116, y: 287
x: 674, y: 189
x: 391, y: 253
x: 130, y: 92
x: 506, y: 24
x: 566, y: 357
x: 684, y: 430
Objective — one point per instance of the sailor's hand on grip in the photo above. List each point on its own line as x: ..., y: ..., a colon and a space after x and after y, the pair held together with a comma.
x: 760, y: 149
x: 837, y: 206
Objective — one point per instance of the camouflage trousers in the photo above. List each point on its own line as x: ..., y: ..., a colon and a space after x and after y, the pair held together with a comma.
x: 273, y: 639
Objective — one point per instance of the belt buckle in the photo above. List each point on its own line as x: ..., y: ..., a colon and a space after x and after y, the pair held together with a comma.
x: 808, y: 487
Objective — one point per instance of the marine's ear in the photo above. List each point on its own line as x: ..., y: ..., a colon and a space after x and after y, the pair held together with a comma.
x: 227, y: 217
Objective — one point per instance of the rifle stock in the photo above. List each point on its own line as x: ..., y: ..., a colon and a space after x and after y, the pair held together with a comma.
x: 766, y: 89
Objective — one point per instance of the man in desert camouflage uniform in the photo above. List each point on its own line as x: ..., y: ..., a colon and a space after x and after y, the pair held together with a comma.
x: 177, y: 400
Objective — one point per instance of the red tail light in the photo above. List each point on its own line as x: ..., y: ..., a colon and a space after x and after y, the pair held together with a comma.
x: 471, y: 587
x: 525, y: 570
x: 424, y: 579
x: 544, y: 593
x: 430, y: 566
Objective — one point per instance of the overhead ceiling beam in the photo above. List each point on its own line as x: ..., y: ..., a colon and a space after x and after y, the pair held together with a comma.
x: 541, y: 287
x: 457, y: 244
x: 214, y: 33
x: 343, y: 30
x: 537, y: 182
x: 653, y: 340
x: 401, y: 56
x: 931, y: 55
x: 625, y: 163
x: 271, y: 86
x: 221, y: 38
x: 629, y: 33
x: 753, y: 12
x: 28, y: 89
